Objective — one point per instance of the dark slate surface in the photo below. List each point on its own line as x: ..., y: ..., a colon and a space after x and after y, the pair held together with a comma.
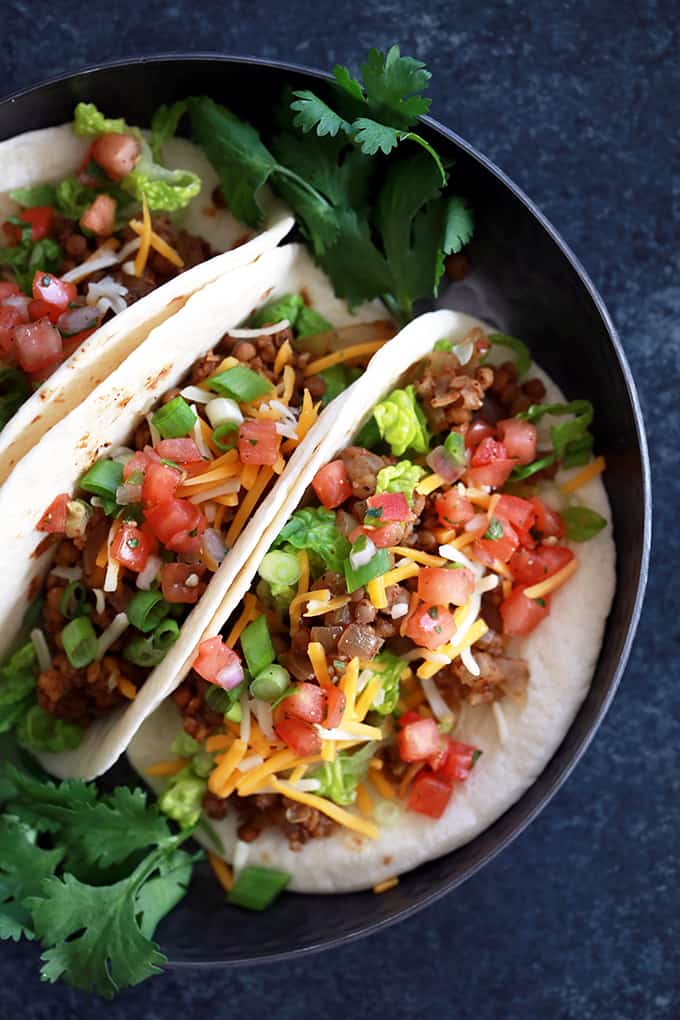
x: 579, y: 918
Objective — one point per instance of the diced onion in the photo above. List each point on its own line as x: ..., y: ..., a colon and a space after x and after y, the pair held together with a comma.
x: 305, y: 785
x: 286, y: 430
x: 128, y: 268
x: 154, y: 433
x: 146, y: 577
x: 362, y: 556
x: 128, y: 494
x: 42, y: 651
x: 230, y: 676
x: 476, y: 523
x: 198, y: 436
x: 440, y: 710
x: 99, y: 600
x: 223, y: 411
x: 67, y: 573
x: 398, y: 610
x: 118, y: 626
x: 263, y: 713
x: 245, y: 717
x: 241, y: 852
x: 501, y: 723
x: 213, y: 544
x: 247, y: 334
x: 196, y: 394
x: 122, y: 454
x: 76, y: 320
x: 464, y: 351
x: 449, y: 552
x: 468, y: 660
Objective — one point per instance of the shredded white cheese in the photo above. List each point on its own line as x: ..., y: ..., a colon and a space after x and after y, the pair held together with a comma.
x: 247, y: 334
x: 99, y: 600
x: 67, y: 573
x: 147, y: 576
x: 251, y: 762
x: 245, y: 717
x: 469, y: 661
x: 118, y: 626
x: 241, y: 852
x: 42, y: 651
x: 263, y: 713
x: 112, y: 566
x: 198, y: 436
x: 223, y: 489
x: 501, y: 723
x: 440, y: 710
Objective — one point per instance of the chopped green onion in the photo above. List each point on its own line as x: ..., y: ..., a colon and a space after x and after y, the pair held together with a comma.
x: 146, y: 609
x: 239, y: 383
x: 73, y: 602
x: 235, y: 713
x: 218, y: 699
x: 519, y: 349
x: 103, y: 478
x: 280, y: 567
x: 165, y: 635
x: 141, y: 652
x: 256, y: 888
x: 80, y: 642
x: 174, y: 419
x: 455, y: 445
x: 256, y: 645
x: 377, y: 565
x: 527, y: 470
x: 270, y: 683
x: 219, y: 434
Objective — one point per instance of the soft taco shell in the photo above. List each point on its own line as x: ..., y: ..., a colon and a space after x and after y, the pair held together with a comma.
x: 561, y: 655
x: 40, y: 157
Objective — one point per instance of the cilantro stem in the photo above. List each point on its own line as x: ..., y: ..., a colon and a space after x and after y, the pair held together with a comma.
x: 412, y: 137
x: 305, y: 185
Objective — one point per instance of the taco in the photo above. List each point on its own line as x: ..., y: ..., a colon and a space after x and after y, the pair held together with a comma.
x: 411, y: 637
x: 107, y: 231
x: 127, y: 523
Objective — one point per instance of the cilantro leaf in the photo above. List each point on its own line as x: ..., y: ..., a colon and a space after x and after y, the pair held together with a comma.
x: 392, y: 84
x: 318, y: 219
x: 357, y: 267
x: 373, y: 137
x: 312, y: 113
x: 582, y: 523
x: 23, y: 866
x: 159, y: 895
x: 39, y: 194
x: 93, y: 933
x: 341, y: 173
x: 459, y: 224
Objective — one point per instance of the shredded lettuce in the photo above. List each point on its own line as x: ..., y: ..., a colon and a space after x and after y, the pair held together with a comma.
x: 401, y: 477
x: 40, y: 194
x: 572, y: 440
x: 389, y: 669
x: 28, y: 256
x: 401, y: 422
x: 519, y: 349
x: 17, y: 686
x: 40, y: 731
x: 310, y: 322
x: 182, y: 800
x: 314, y: 529
x: 304, y: 321
x: 339, y: 779
x: 88, y: 122
x: 164, y: 124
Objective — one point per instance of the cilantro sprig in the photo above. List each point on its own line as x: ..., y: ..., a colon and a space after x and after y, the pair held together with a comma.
x: 377, y: 214
x: 90, y: 875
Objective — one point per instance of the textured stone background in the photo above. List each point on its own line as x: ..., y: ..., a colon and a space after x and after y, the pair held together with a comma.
x: 579, y: 917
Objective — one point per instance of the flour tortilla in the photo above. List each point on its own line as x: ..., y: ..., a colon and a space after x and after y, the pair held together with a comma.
x: 105, y: 421
x: 40, y: 157
x: 561, y: 655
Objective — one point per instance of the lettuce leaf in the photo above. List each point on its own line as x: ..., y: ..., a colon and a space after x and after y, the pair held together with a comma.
x: 400, y: 477
x: 339, y: 779
x: 401, y: 422
x: 314, y: 529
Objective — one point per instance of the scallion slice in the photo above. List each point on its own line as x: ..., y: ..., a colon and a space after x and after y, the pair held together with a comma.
x: 165, y: 635
x: 73, y: 602
x: 256, y: 888
x: 103, y: 479
x: 174, y: 419
x: 225, y: 436
x: 280, y: 567
x: 141, y: 652
x: 357, y: 578
x: 270, y: 683
x: 80, y: 642
x: 239, y: 383
x: 256, y: 645
x: 146, y: 610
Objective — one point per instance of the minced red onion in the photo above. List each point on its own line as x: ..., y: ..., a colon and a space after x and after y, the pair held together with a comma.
x: 127, y: 494
x: 230, y: 676
x: 476, y: 523
x: 75, y: 320
x: 213, y: 544
x: 362, y: 556
x: 20, y: 302
x: 444, y: 465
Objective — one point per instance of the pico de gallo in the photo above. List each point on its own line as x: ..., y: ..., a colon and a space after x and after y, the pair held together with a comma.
x: 136, y: 545
x: 387, y: 604
x: 82, y: 249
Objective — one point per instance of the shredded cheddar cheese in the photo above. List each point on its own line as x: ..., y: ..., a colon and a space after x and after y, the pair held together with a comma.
x: 283, y: 356
x: 218, y: 742
x: 400, y: 574
x: 429, y: 484
x: 364, y: 801
x: 376, y: 592
x: 167, y: 768
x: 161, y: 246
x: 127, y: 688
x: 223, y: 872
x: 592, y: 470
x: 360, y: 729
x: 478, y: 497
x: 317, y: 657
x: 297, y: 773
x: 383, y: 785
x: 248, y: 505
x: 426, y: 559
x: 476, y: 631
x: 219, y: 776
x: 543, y: 588
x: 408, y: 777
x: 288, y: 384
x: 366, y: 697
x: 328, y: 607
x: 348, y: 686
x: 278, y: 762
x: 144, y: 240
x: 386, y: 885
x: 295, y: 607
x: 308, y: 415
x: 328, y: 750
x: 327, y: 807
x: 340, y: 357
x: 250, y: 612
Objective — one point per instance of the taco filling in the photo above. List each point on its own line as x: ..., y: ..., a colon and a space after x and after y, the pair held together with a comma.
x: 387, y: 606
x: 138, y: 542
x: 82, y: 249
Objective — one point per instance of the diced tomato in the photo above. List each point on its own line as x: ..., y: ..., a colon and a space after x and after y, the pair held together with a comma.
x: 458, y: 762
x: 531, y: 566
x: 7, y: 289
x: 518, y: 438
x: 384, y: 537
x: 300, y: 736
x: 56, y: 292
x: 174, y: 577
x: 495, y: 474
x: 478, y: 431
x: 521, y: 515
x: 521, y: 615
x: 40, y: 217
x: 408, y: 717
x: 131, y: 547
x: 116, y: 154
x: 418, y: 741
x: 307, y: 703
x: 9, y: 319
x: 488, y: 451
x: 54, y: 518
x: 444, y: 585
x: 38, y: 345
x: 332, y: 485
x: 430, y: 794
x: 160, y: 483
x: 258, y: 441
x: 393, y: 506
x: 548, y: 522
x: 430, y: 626
x: 181, y: 451
x: 335, y: 706
x: 137, y: 463
x: 217, y: 663
x: 39, y: 309
x: 100, y: 216
x: 178, y: 524
x: 453, y: 510
x: 487, y: 550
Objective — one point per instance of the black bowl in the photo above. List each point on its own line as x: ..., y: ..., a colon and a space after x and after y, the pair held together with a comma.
x: 528, y: 283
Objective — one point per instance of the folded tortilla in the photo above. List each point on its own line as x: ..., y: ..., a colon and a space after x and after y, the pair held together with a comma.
x: 561, y: 655
x: 105, y: 421
x: 40, y: 157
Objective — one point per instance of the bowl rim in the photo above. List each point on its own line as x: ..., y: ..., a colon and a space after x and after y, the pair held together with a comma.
x: 333, y: 941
